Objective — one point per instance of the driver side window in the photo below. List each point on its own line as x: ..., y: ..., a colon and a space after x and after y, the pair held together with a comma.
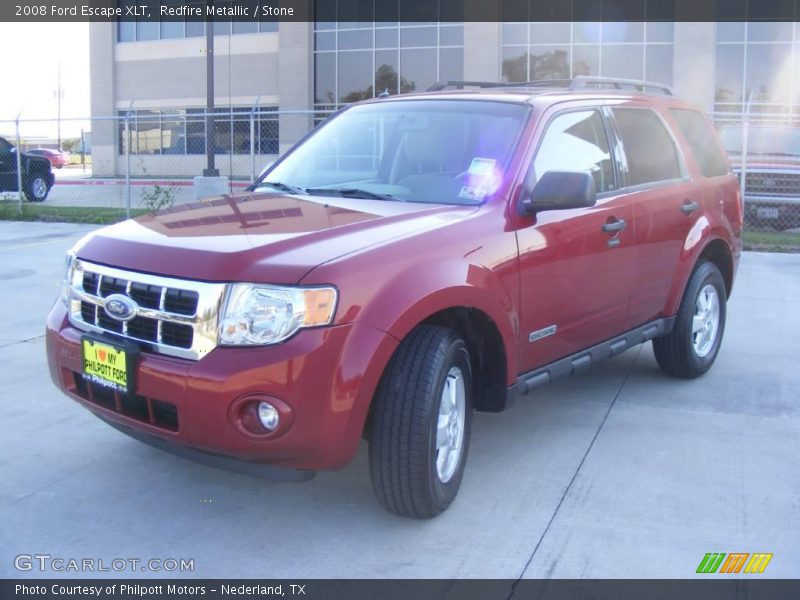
x: 577, y: 141
x: 5, y: 147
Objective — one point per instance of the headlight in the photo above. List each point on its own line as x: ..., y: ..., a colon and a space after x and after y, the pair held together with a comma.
x: 263, y: 314
x: 69, y: 269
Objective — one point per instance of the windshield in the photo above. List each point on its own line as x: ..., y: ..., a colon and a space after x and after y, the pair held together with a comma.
x: 437, y: 151
x: 774, y: 141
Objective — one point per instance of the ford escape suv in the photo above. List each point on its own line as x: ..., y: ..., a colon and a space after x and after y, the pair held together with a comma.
x: 412, y: 260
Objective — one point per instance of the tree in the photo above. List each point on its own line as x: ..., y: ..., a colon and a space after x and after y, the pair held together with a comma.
x: 71, y: 144
x: 385, y: 79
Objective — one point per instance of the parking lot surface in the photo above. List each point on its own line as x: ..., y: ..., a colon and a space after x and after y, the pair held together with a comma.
x: 618, y: 472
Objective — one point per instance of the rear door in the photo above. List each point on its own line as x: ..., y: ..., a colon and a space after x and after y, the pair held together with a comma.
x: 666, y: 202
x: 575, y: 265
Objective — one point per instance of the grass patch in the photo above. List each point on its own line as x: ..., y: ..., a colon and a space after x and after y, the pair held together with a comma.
x: 772, y: 241
x: 9, y: 211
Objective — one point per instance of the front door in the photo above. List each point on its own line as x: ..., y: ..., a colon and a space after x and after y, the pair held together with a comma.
x: 8, y: 167
x: 576, y: 265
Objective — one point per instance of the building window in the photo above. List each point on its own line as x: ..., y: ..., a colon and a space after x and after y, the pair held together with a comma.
x: 178, y: 131
x: 534, y: 51
x: 758, y: 61
x: 177, y: 28
x: 363, y: 48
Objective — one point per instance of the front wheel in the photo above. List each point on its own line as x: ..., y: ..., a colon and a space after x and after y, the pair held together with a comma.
x: 692, y: 346
x: 421, y: 423
x: 36, y: 188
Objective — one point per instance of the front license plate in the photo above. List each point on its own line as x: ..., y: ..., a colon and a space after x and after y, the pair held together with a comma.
x: 106, y: 364
x: 768, y: 213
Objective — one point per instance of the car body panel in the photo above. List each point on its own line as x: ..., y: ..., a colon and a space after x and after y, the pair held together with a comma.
x: 258, y: 238
x: 396, y: 265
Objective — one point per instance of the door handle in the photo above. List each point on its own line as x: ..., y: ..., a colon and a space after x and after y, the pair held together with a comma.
x: 689, y: 207
x: 615, y: 226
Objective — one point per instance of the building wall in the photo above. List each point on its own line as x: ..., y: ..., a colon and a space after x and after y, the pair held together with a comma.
x: 278, y: 69
x: 693, y: 63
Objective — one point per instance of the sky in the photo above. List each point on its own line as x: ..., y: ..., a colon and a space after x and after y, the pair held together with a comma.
x: 29, y: 82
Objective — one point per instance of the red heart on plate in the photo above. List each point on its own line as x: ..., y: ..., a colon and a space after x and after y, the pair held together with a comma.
x: 102, y: 354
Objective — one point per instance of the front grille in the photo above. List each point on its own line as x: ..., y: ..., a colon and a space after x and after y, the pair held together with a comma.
x: 147, y: 410
x: 172, y: 316
x: 772, y: 183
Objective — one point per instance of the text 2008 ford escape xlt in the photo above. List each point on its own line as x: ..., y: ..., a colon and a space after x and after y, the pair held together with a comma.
x: 414, y: 259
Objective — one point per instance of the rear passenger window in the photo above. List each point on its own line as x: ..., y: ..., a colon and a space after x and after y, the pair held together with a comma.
x: 700, y: 137
x: 577, y: 141
x: 649, y: 148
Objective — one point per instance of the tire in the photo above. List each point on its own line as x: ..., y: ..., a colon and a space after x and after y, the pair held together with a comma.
x: 692, y: 346
x: 36, y: 188
x: 410, y: 475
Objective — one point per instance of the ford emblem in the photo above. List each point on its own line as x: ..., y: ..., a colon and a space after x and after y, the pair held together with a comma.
x: 120, y: 307
x: 769, y: 182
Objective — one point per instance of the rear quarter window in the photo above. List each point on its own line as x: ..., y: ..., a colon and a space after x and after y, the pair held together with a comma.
x: 698, y: 133
x: 649, y: 149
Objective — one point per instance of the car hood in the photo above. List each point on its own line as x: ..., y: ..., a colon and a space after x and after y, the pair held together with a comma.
x: 35, y: 159
x: 767, y: 162
x: 258, y: 237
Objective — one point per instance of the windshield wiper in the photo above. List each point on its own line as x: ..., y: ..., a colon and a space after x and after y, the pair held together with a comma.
x: 283, y: 187
x: 349, y: 193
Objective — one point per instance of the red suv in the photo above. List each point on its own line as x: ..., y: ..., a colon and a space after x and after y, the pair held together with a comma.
x: 413, y: 259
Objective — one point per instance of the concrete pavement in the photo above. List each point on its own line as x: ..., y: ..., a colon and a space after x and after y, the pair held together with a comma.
x: 618, y: 472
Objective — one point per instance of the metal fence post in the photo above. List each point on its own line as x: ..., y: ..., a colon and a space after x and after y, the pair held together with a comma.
x: 128, y: 164
x: 19, y: 166
x: 745, y: 142
x: 253, y: 139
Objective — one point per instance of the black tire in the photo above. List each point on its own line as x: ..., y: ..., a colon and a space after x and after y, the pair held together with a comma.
x: 36, y: 187
x: 403, y: 428
x: 676, y: 353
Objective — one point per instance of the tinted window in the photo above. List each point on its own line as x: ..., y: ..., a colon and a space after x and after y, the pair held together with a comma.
x: 5, y: 146
x: 577, y: 141
x: 704, y: 146
x: 648, y: 146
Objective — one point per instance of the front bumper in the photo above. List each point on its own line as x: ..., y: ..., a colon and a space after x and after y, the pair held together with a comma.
x: 323, y: 378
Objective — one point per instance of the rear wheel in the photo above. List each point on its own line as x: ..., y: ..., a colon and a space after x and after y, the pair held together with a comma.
x: 421, y: 423
x: 692, y: 346
x: 36, y: 188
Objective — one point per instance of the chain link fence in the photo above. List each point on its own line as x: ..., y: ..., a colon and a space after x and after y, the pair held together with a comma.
x: 764, y: 149
x: 145, y: 159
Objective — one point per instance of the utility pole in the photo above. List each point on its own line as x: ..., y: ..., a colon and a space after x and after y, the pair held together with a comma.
x: 211, y: 170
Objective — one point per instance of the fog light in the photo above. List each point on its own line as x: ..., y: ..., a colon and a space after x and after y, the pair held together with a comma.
x: 268, y: 415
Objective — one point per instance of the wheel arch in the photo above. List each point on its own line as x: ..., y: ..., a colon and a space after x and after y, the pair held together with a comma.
x: 715, y: 250
x: 720, y: 254
x: 488, y: 354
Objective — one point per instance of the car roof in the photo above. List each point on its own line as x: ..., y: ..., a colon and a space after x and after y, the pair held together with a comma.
x: 547, y: 92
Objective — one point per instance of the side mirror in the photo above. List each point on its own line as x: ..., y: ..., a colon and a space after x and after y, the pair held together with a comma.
x: 559, y: 190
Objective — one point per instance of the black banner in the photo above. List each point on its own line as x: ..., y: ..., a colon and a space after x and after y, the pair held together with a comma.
x: 718, y: 588
x: 368, y: 11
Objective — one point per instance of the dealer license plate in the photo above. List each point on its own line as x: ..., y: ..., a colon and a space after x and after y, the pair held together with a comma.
x: 106, y: 364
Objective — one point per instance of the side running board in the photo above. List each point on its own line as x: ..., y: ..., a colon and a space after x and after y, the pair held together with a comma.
x: 584, y: 359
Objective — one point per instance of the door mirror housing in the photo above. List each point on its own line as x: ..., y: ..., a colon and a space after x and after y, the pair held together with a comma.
x: 559, y: 190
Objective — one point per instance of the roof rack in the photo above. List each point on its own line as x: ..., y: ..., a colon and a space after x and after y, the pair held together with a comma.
x: 581, y: 82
